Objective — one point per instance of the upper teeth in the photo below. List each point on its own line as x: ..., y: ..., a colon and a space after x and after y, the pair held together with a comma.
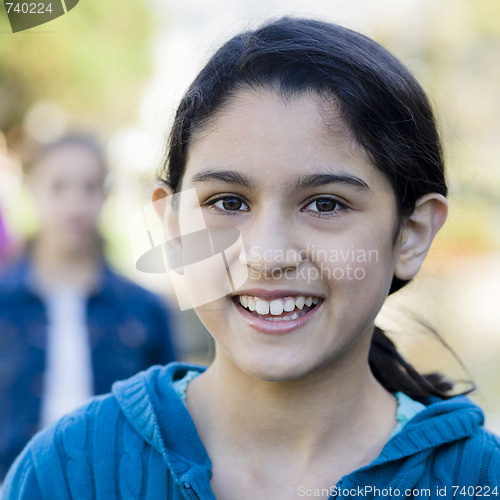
x: 276, y: 306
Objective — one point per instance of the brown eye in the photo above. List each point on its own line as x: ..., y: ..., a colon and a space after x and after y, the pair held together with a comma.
x: 325, y: 205
x: 230, y: 204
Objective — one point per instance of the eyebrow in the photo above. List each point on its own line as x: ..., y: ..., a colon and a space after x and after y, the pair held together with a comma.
x: 227, y: 176
x: 316, y: 180
x: 303, y: 181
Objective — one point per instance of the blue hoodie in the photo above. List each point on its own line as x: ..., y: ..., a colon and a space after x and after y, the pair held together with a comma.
x: 140, y: 442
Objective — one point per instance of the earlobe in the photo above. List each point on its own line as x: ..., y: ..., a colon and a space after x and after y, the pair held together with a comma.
x: 418, y: 232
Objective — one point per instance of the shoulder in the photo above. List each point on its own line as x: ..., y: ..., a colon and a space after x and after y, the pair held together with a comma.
x: 477, y: 462
x: 13, y: 279
x: 448, y: 440
x: 67, y: 450
x: 18, y: 303
x: 474, y: 456
x: 487, y: 444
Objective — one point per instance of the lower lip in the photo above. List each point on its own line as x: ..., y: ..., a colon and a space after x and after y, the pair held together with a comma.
x: 276, y: 327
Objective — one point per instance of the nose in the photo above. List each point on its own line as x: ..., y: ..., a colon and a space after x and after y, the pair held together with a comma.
x: 272, y: 246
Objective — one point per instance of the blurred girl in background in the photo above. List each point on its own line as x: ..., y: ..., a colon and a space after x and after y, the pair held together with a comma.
x: 70, y: 326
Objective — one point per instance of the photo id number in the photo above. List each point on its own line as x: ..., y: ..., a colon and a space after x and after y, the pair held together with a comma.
x: 28, y: 8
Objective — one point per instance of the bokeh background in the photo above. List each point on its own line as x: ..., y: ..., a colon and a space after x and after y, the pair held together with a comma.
x: 119, y: 68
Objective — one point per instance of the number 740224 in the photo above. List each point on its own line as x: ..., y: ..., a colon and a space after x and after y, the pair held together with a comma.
x: 28, y: 8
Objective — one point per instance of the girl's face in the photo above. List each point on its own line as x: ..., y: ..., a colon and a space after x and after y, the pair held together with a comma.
x: 318, y: 224
x: 67, y: 186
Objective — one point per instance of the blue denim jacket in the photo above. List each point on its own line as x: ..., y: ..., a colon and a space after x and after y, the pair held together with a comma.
x: 128, y: 331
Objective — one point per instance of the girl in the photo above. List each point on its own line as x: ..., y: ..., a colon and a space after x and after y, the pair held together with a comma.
x: 70, y: 325
x: 313, y: 142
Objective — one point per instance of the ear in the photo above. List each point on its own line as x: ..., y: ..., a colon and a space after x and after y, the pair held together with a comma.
x: 418, y: 232
x: 163, y: 196
x: 161, y: 191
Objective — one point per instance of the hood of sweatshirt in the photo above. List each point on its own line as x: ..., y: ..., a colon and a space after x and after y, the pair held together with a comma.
x: 155, y: 411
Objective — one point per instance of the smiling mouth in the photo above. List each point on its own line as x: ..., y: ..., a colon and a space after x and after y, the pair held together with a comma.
x: 280, y: 309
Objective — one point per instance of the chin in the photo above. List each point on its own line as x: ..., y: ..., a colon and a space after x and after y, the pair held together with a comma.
x: 277, y: 373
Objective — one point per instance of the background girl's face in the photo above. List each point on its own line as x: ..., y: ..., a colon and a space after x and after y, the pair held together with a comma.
x: 317, y: 220
x: 67, y: 186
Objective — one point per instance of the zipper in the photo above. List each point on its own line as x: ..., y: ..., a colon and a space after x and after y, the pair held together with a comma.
x: 191, y: 491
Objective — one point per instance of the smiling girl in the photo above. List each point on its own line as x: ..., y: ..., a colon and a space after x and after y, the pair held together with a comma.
x: 305, y: 137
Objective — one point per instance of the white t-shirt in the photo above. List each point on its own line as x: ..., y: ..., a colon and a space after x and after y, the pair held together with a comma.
x: 68, y: 381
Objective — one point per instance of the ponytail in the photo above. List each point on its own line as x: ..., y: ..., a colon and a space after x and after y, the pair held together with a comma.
x: 396, y: 374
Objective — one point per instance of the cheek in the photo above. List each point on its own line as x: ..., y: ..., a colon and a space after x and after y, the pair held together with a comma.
x: 93, y: 206
x: 213, y: 317
x: 363, y: 259
x: 207, y: 281
x: 209, y: 256
x: 50, y: 207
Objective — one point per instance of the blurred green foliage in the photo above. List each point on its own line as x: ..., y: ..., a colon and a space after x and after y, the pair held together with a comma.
x: 91, y: 62
x: 453, y: 47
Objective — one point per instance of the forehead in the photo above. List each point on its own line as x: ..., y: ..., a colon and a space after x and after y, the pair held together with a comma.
x: 273, y: 138
x: 264, y: 108
x: 70, y: 162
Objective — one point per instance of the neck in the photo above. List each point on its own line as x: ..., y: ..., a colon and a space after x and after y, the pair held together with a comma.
x: 56, y: 266
x: 337, y: 410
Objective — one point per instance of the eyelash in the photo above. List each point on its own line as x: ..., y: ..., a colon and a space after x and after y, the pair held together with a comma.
x: 341, y: 207
x: 212, y: 204
x: 316, y: 213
